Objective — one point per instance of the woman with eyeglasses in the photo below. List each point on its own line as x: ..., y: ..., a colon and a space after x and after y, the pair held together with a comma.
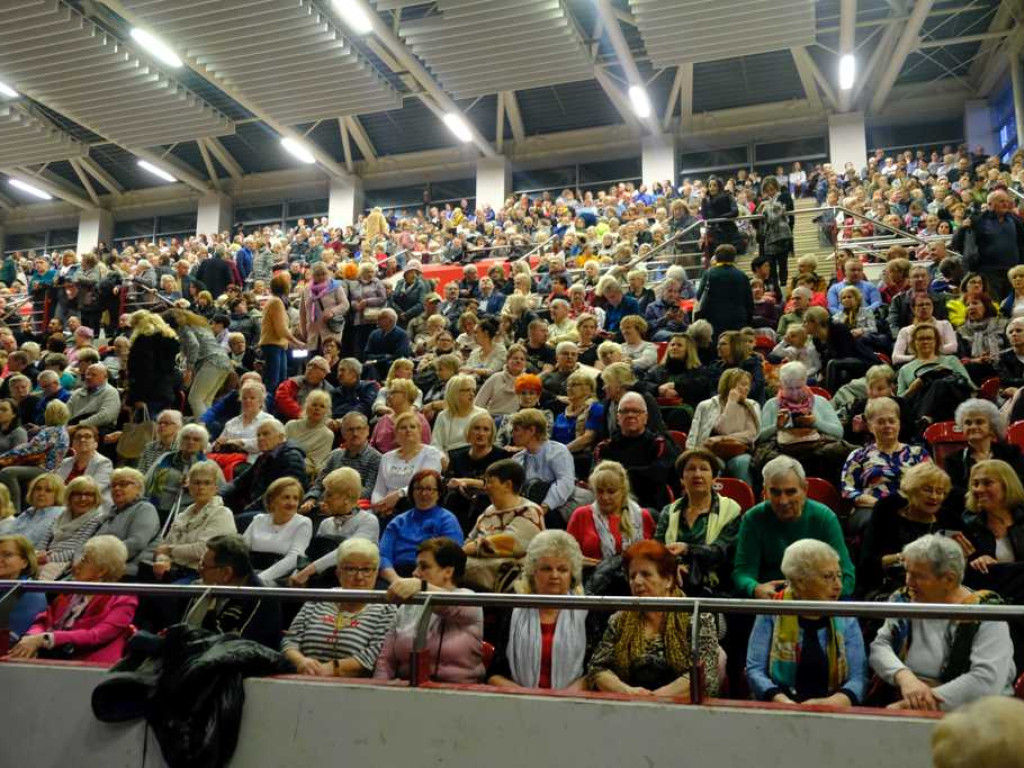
x: 166, y: 480
x: 427, y: 519
x: 332, y: 639
x: 132, y: 519
x: 82, y: 516
x: 450, y: 428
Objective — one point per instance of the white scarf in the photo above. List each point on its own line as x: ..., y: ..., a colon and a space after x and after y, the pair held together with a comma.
x: 567, y: 649
x: 604, y: 533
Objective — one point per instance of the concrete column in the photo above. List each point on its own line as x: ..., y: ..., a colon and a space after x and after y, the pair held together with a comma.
x: 216, y: 214
x: 493, y: 181
x: 659, y: 160
x: 1017, y: 78
x: 3, y: 238
x: 979, y: 130
x: 346, y: 201
x: 847, y: 140
x: 94, y: 227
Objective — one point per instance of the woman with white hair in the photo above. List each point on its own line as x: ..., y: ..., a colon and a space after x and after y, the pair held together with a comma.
x: 90, y: 628
x: 940, y: 664
x: 985, y: 432
x: 311, y: 432
x: 543, y: 647
x: 168, y: 425
x: 342, y: 639
x: 367, y: 296
x: 239, y: 433
x: 132, y: 518
x: 450, y: 427
x: 166, y: 479
x: 803, y: 425
x: 808, y: 659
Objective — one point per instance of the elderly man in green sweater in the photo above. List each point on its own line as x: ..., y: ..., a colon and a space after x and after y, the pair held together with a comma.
x: 771, y: 526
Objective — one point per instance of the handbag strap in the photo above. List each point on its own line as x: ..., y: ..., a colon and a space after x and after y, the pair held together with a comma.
x: 145, y: 413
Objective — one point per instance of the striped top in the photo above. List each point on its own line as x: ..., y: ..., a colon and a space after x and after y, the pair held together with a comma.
x: 320, y: 631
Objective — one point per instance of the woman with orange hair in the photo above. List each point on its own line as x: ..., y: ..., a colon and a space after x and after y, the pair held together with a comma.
x: 528, y: 391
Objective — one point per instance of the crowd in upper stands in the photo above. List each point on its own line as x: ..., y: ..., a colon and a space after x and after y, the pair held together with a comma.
x: 571, y: 393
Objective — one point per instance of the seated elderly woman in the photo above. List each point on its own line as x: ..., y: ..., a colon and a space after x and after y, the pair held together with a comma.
x: 279, y: 536
x: 82, y: 516
x: 86, y: 460
x: 398, y: 466
x: 177, y: 554
x: 165, y: 480
x: 802, y: 425
x: 808, y: 659
x: 497, y: 394
x: 85, y: 627
x: 454, y: 638
x: 43, y: 453
x: 614, y: 521
x: 939, y: 664
x: 543, y: 647
x: 426, y: 519
x: 402, y: 368
x: 872, y: 473
x: 401, y: 399
x: 168, y: 425
x: 342, y: 639
x: 642, y: 355
x: 985, y: 432
x: 504, y: 530
x: 529, y: 389
x: 728, y: 424
x: 132, y: 518
x: 650, y: 653
x: 311, y: 432
x: 701, y: 526
x: 899, y: 519
x: 18, y: 563
x: 994, y: 526
x: 451, y: 424
x: 578, y: 426
x: 45, y: 503
x: 431, y: 379
x: 345, y: 521
x: 932, y: 383
x: 237, y: 442
x: 465, y: 477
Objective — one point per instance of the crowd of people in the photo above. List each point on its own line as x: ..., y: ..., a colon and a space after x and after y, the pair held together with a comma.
x: 307, y: 407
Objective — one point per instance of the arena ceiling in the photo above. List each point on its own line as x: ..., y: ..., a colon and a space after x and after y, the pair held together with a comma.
x: 92, y: 101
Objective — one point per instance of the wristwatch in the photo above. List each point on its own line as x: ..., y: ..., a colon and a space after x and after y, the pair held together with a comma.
x: 48, y: 640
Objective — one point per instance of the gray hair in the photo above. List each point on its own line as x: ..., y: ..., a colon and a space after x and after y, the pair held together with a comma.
x: 1014, y: 322
x: 390, y: 313
x: 793, y: 374
x: 351, y: 364
x: 354, y: 415
x: 172, y: 414
x: 804, y: 291
x: 701, y: 331
x: 566, y: 346
x: 942, y: 555
x: 197, y: 430
x: 107, y: 553
x: 801, y: 557
x: 274, y: 424
x: 781, y: 466
x: 551, y: 543
x: 209, y: 468
x: 47, y: 375
x: 559, y: 303
x: 985, y: 408
x: 358, y: 546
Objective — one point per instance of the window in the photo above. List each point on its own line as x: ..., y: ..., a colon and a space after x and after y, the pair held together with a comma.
x: 713, y: 160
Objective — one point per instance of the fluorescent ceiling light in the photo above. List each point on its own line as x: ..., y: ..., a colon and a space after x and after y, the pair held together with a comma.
x: 29, y: 189
x: 641, y: 104
x: 354, y: 16
x: 298, y: 149
x: 156, y: 170
x: 6, y: 90
x: 157, y: 47
x: 847, y: 71
x: 458, y: 126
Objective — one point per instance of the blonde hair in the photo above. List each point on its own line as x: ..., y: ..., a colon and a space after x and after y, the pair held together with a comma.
x: 80, y: 484
x: 608, y: 473
x: 926, y: 473
x: 6, y: 505
x: 1004, y: 473
x: 451, y: 393
x: 850, y: 313
x: 619, y: 373
x: 55, y: 483
x: 396, y: 366
x: 56, y: 414
x: 278, y: 487
x: 345, y: 480
x: 108, y: 553
x: 404, y: 387
x: 145, y: 323
x: 582, y: 377
x: 128, y: 473
x: 607, y: 348
x: 636, y: 321
x: 317, y: 395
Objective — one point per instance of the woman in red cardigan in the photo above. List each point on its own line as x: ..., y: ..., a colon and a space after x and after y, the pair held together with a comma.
x: 614, y: 521
x: 85, y: 627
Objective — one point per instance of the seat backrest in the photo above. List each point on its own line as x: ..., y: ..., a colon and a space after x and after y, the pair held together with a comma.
x: 737, y: 490
x: 943, y: 439
x: 1015, y: 434
x: 679, y: 438
x: 821, y: 391
x: 990, y: 388
x: 823, y: 491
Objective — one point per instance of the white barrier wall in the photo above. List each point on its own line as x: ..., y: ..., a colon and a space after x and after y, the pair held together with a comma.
x: 47, y: 721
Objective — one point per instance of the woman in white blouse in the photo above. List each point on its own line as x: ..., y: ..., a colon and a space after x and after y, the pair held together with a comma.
x: 450, y: 428
x: 277, y: 538
x: 638, y: 353
x: 398, y: 466
x: 239, y: 435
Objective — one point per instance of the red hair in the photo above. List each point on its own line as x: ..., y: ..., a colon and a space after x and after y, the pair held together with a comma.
x: 654, y: 552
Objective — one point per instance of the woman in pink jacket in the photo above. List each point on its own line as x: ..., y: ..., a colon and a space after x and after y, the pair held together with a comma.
x: 455, y: 638
x: 85, y: 627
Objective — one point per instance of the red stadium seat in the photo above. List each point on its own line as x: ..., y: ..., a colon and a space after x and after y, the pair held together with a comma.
x: 737, y: 490
x: 487, y: 653
x: 821, y: 391
x: 763, y: 344
x: 668, y: 402
x: 1015, y: 434
x: 824, y: 492
x: 943, y: 439
x: 990, y: 388
x: 679, y: 438
x: 662, y: 346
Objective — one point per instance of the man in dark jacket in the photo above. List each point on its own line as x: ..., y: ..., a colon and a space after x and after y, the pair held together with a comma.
x: 215, y: 272
x: 999, y: 236
x: 352, y: 394
x: 725, y: 298
x: 648, y: 458
x: 386, y: 344
x: 279, y: 457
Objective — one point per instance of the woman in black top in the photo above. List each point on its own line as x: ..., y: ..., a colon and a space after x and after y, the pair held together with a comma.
x: 466, y: 498
x: 680, y: 374
x: 719, y: 204
x: 982, y: 426
x: 152, y: 367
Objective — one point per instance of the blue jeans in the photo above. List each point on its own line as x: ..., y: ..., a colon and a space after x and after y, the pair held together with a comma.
x: 739, y: 467
x: 275, y: 368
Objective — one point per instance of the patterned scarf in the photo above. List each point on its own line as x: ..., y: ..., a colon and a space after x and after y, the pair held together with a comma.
x: 784, y: 657
x: 316, y: 293
x: 675, y: 634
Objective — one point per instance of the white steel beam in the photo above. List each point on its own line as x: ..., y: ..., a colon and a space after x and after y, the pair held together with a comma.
x: 499, y: 122
x: 515, y: 118
x: 882, y: 49
x: 96, y: 171
x: 361, y: 138
x: 84, y: 179
x: 907, y: 42
x: 805, y: 65
x: 800, y: 58
x: 211, y: 169
x: 346, y: 144
x: 609, y: 19
x: 224, y: 157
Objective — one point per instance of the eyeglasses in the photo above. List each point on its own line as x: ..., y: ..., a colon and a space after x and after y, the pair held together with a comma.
x: 631, y: 411
x: 353, y: 570
x: 82, y: 495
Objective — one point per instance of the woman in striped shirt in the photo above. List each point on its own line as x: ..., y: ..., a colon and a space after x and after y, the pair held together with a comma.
x: 342, y: 639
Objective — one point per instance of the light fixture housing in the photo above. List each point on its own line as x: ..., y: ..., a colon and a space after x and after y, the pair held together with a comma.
x: 298, y: 150
x: 7, y: 91
x: 847, y: 71
x: 29, y: 189
x: 354, y: 16
x: 157, y: 48
x: 458, y: 126
x: 640, y: 101
x: 156, y: 170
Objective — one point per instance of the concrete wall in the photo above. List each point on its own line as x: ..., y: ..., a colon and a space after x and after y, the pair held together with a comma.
x: 298, y: 723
